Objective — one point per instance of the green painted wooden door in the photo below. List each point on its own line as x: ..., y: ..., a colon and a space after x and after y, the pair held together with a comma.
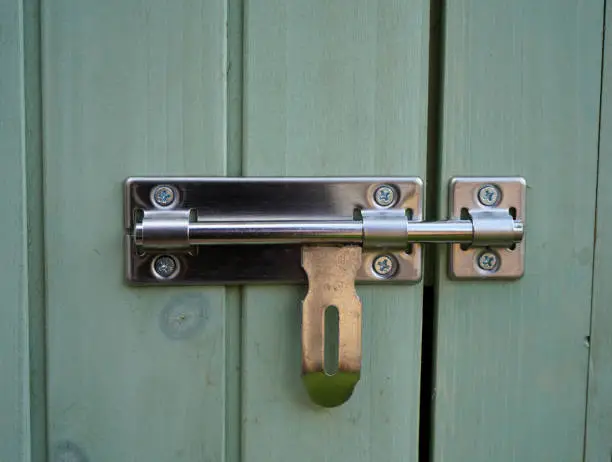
x: 521, y: 96
x: 92, y: 92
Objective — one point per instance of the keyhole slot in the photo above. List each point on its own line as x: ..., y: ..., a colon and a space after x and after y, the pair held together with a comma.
x: 331, y: 340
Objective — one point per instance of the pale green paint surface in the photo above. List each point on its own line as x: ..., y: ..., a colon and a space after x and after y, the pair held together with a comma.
x: 329, y: 89
x: 15, y: 425
x: 333, y: 88
x: 22, y: 393
x: 521, y: 97
x: 599, y: 416
x: 35, y: 229
x: 130, y: 88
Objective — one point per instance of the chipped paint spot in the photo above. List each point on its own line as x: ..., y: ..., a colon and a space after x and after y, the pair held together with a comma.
x: 184, y: 316
x: 67, y: 451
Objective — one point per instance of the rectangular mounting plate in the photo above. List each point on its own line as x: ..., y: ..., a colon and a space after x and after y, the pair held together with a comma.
x: 221, y: 198
x: 464, y: 195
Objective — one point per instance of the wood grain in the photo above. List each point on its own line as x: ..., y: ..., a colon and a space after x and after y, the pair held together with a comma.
x: 14, y: 325
x: 130, y: 88
x: 22, y: 340
x: 333, y: 88
x: 521, y: 97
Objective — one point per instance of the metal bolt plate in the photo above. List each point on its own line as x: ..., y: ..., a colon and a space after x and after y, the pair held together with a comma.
x: 275, y: 198
x: 506, y: 193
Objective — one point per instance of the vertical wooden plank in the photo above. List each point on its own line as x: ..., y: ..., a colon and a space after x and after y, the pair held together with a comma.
x: 22, y: 401
x: 130, y: 88
x: 35, y: 228
x: 521, y: 97
x: 14, y: 345
x: 334, y: 89
x: 599, y: 409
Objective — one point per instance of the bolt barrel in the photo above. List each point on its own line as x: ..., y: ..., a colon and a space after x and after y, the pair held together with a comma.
x: 176, y: 230
x: 276, y: 232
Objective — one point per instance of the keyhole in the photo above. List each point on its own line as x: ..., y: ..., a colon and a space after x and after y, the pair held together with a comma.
x: 331, y: 340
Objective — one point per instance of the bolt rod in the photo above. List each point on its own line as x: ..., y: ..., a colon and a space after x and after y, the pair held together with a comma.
x: 331, y: 232
x: 275, y: 232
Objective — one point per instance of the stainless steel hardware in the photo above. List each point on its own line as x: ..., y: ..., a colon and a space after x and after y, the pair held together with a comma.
x: 249, y: 230
x: 331, y: 284
x: 374, y: 228
x: 488, y: 201
x: 332, y: 232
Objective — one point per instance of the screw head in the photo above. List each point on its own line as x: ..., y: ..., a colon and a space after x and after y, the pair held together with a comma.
x: 163, y: 195
x: 384, y: 195
x: 165, y: 267
x: 384, y: 266
x: 488, y: 261
x: 489, y: 195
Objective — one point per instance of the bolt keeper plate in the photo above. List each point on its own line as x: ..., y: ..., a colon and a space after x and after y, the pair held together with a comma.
x: 235, y: 199
x: 475, y: 195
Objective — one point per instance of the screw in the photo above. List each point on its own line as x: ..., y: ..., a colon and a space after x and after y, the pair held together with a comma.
x: 488, y: 261
x: 489, y: 195
x: 163, y: 195
x: 165, y: 267
x: 384, y: 266
x: 384, y: 195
